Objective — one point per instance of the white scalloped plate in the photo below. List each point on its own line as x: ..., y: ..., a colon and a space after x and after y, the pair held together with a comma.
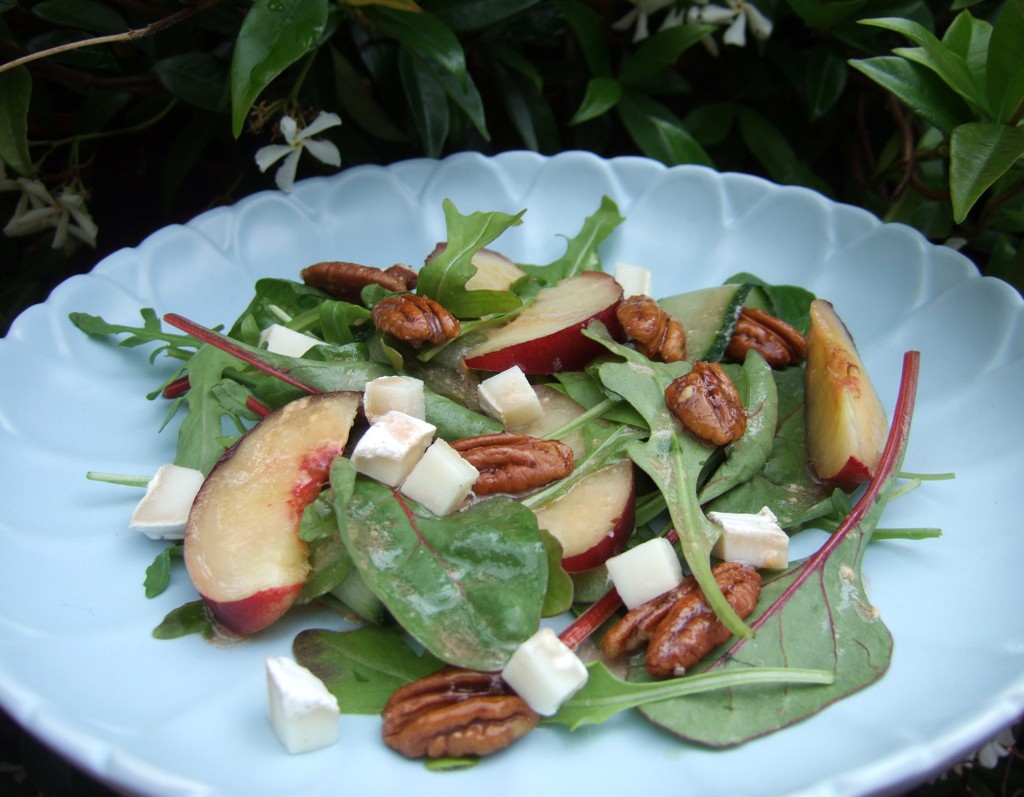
x: 79, y: 668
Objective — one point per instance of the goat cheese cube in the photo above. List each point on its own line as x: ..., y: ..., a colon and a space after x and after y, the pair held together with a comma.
x: 279, y: 339
x: 510, y: 398
x: 644, y: 572
x: 635, y: 280
x: 441, y: 480
x: 163, y: 511
x: 303, y: 712
x: 756, y: 540
x: 391, y: 447
x: 544, y: 672
x: 401, y: 393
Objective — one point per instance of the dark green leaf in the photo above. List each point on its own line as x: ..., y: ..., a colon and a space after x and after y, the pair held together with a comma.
x: 826, y: 15
x: 601, y: 95
x: 359, y: 103
x: 426, y: 101
x: 16, y: 89
x: 658, y: 52
x: 588, y: 27
x: 969, y: 38
x: 197, y: 78
x: 470, y: 587
x: 920, y: 89
x: 362, y: 668
x: 933, y: 54
x: 463, y: 16
x: 1005, y: 66
x: 979, y: 154
x: 559, y: 594
x: 274, y: 35
x: 87, y: 15
x: 826, y: 79
x: 659, y: 133
x: 767, y: 143
x: 425, y: 35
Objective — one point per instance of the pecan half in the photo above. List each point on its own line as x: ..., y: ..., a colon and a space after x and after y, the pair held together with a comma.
x: 454, y: 713
x: 707, y: 403
x: 637, y: 626
x: 779, y: 343
x: 514, y: 463
x: 415, y: 319
x: 690, y: 630
x: 345, y: 281
x: 658, y: 335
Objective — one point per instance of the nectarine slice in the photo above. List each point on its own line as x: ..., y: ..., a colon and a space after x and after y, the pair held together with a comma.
x: 846, y: 422
x: 242, y: 548
x: 546, y: 337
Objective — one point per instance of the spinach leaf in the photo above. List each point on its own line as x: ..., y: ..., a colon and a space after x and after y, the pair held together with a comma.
x: 470, y: 587
x: 362, y: 668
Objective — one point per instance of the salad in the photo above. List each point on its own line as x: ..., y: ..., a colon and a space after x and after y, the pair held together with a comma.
x: 291, y: 510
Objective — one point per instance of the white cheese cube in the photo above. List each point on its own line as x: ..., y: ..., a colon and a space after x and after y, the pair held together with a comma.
x: 510, y: 398
x: 391, y: 447
x: 303, y: 712
x: 279, y: 339
x: 401, y: 393
x: 441, y: 480
x: 644, y: 572
x: 163, y: 511
x: 635, y: 280
x: 544, y: 672
x: 756, y: 540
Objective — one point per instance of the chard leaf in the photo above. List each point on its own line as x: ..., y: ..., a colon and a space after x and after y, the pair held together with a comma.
x: 814, y: 615
x: 674, y: 460
x: 362, y: 668
x: 603, y: 696
x: 444, y: 277
x: 581, y: 253
x: 470, y: 587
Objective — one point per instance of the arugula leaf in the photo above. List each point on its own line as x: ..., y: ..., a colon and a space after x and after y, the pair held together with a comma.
x: 470, y: 587
x: 362, y: 668
x: 444, y: 277
x: 158, y: 574
x: 581, y: 253
x: 149, y: 332
x: 603, y: 695
x: 190, y: 618
x: 673, y: 459
x: 816, y: 614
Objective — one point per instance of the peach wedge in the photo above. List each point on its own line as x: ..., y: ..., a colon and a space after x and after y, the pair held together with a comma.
x: 242, y: 548
x: 846, y: 422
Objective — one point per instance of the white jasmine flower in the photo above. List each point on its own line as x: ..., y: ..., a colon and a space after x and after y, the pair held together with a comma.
x: 39, y: 210
x: 298, y: 140
x: 640, y: 15
x: 737, y: 15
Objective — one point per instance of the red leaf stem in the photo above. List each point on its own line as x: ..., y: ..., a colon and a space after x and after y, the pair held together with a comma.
x: 257, y: 406
x: 179, y: 387
x: 899, y: 431
x: 226, y: 344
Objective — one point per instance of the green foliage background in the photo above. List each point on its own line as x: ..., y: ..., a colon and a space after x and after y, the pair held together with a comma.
x: 910, y: 108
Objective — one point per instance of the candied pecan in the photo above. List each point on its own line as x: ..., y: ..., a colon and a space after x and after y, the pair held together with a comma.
x: 454, y: 713
x: 706, y: 402
x: 514, y: 463
x: 658, y: 335
x: 637, y: 626
x: 779, y: 343
x: 345, y: 281
x: 690, y: 630
x: 415, y: 319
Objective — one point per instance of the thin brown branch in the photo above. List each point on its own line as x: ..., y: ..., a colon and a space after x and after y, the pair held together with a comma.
x: 907, y: 139
x: 129, y: 35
